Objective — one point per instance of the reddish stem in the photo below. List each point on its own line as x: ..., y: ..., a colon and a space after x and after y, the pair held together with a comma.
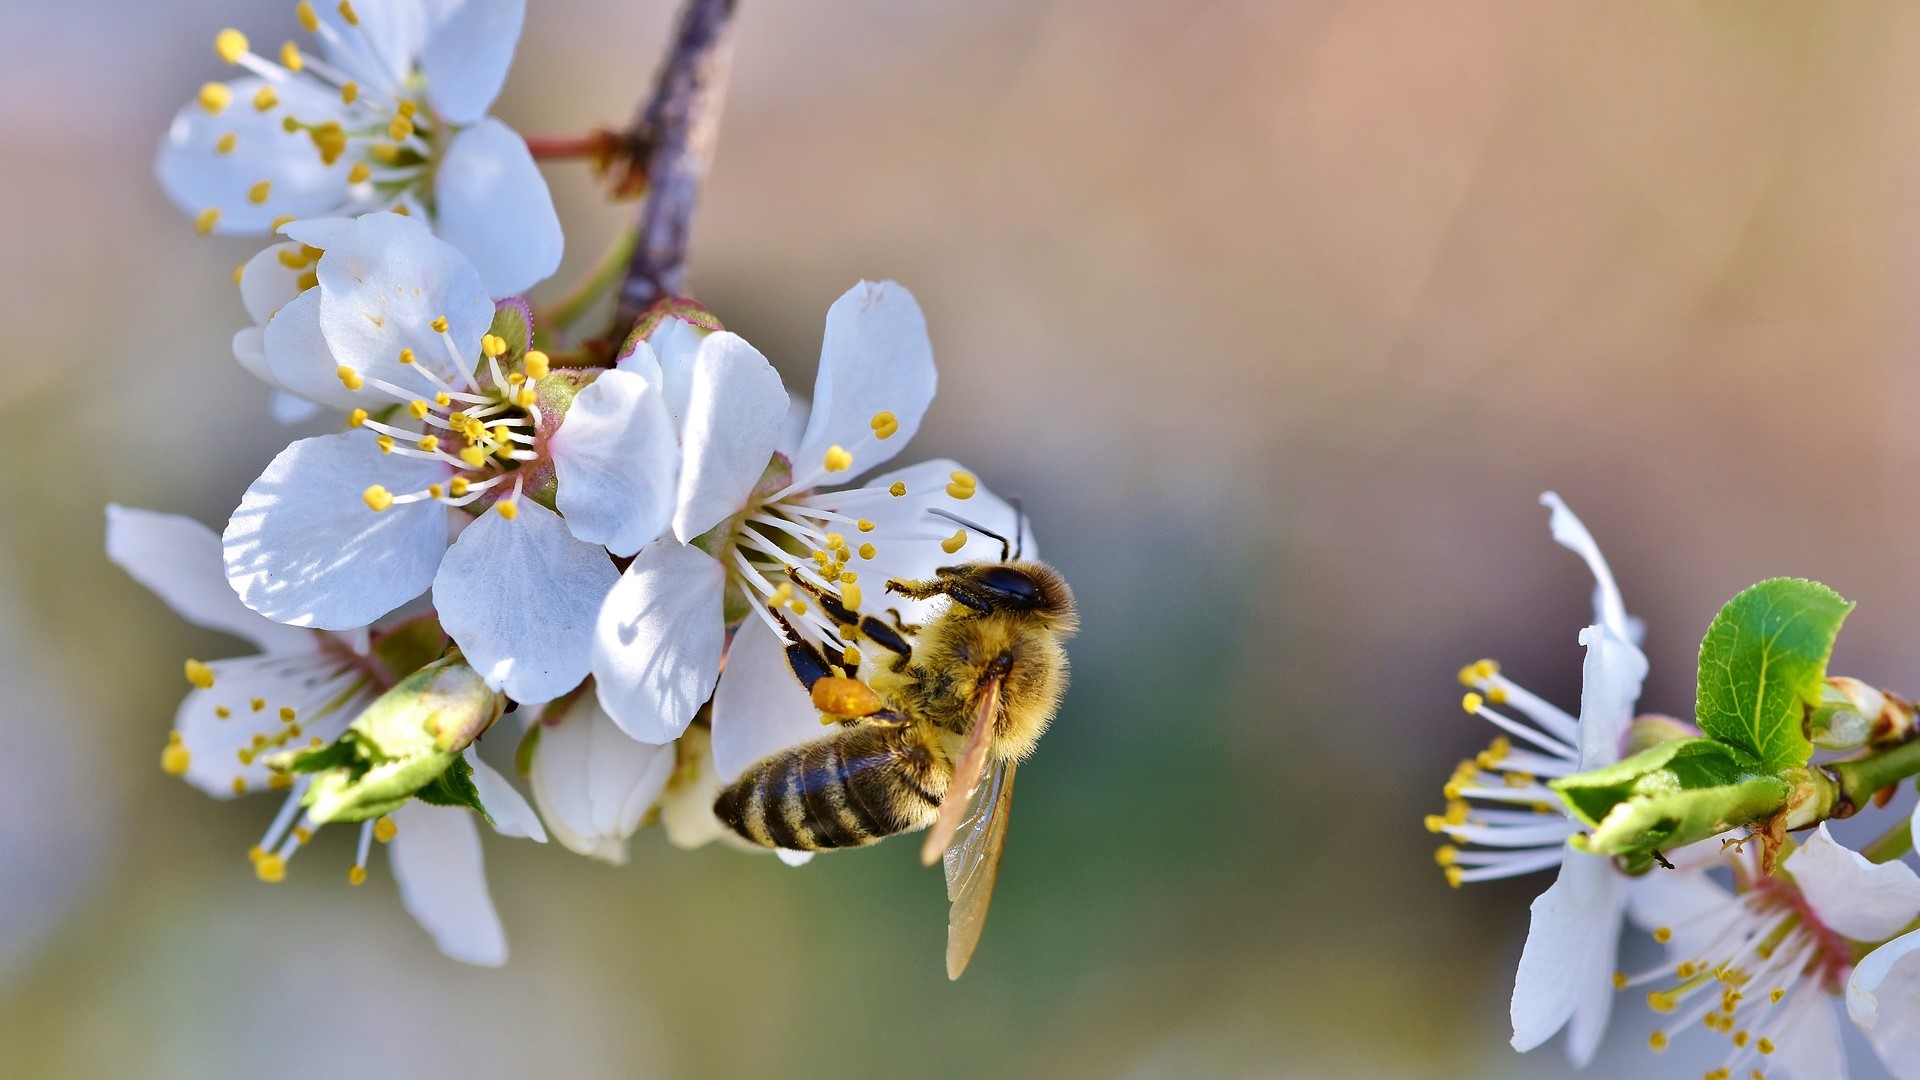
x: 561, y: 147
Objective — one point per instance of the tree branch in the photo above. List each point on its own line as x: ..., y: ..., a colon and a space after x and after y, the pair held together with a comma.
x: 680, y: 123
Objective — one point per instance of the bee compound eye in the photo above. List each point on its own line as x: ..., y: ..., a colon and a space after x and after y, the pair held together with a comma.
x: 1014, y: 585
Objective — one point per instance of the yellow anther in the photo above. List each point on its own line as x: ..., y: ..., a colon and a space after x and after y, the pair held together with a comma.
x: 330, y: 140
x: 1472, y: 702
x: 214, y: 99
x: 457, y: 486
x: 507, y: 510
x: 1657, y: 1041
x: 516, y: 378
x: 1619, y: 980
x: 1455, y: 876
x: 357, y: 875
x: 257, y: 704
x: 851, y: 656
x: 406, y: 356
x: 780, y: 595
x: 501, y: 434
x: 418, y: 409
x: 526, y: 397
x: 384, y: 829
x: 867, y: 551
x: 897, y: 489
x: 290, y: 57
x: 222, y: 711
x: 287, y: 714
x: 964, y: 479
x: 1661, y: 1001
x: 401, y: 209
x: 309, y: 19
x: 835, y: 541
x: 200, y: 675
x: 1740, y: 1038
x: 283, y: 219
x: 399, y: 128
x: 884, y: 424
x: 1686, y: 970
x: 536, y: 363
x: 493, y: 345
x: 349, y: 378
x: 850, y: 595
x: 848, y: 576
x: 239, y: 785
x: 799, y: 607
x: 474, y: 456
x: 349, y: 92
x: 302, y: 834
x: 204, y: 222
x: 428, y: 443
x: 407, y: 108
x: 837, y: 459
x: 279, y: 781
x: 955, y: 542
x: 386, y: 154
x: 1764, y: 1045
x: 385, y: 443
x: 225, y: 145
x: 439, y: 324
x: 377, y: 498
x: 443, y: 399
x: 231, y: 44
x: 864, y: 525
x: 239, y: 271
x: 271, y: 869
x: 1775, y: 995
x: 259, y: 192
x: 175, y: 758
x: 1663, y: 934
x: 266, y: 99
x: 359, y: 173
x: 347, y: 13
x: 1435, y: 823
x: 1446, y: 855
x: 292, y: 258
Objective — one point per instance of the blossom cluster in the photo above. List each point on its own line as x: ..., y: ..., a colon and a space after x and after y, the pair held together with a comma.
x: 602, y: 547
x: 1775, y: 934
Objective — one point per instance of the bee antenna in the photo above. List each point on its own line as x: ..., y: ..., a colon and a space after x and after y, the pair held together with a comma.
x: 1005, y: 546
x: 1019, y: 526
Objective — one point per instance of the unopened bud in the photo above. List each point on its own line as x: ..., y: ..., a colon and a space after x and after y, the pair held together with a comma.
x: 1652, y: 729
x: 1852, y: 714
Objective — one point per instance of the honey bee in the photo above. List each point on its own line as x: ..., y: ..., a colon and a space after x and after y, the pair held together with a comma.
x: 931, y: 740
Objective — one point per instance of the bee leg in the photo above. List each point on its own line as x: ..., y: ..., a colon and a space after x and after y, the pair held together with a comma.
x: 809, y: 665
x: 883, y: 635
x: 900, y: 623
x: 829, y: 603
x: 927, y: 590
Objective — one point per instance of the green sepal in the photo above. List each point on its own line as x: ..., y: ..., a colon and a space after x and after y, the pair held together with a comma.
x: 410, y: 646
x: 454, y: 787
x: 513, y: 324
x: 669, y: 307
x: 1763, y: 664
x: 523, y: 753
x: 1670, y: 795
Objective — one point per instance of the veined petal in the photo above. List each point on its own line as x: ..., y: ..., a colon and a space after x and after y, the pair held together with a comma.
x: 520, y: 597
x: 760, y: 708
x: 299, y: 361
x: 1570, y: 945
x: 734, y: 409
x: 230, y: 728
x: 1883, y: 998
x: 443, y: 882
x: 304, y: 549
x: 1610, y: 680
x: 1608, y: 608
x: 1807, y: 1038
x: 197, y: 177
x: 656, y: 649
x: 382, y: 284
x: 179, y: 560
x: 594, y: 783
x: 505, y: 805
x: 493, y: 204
x: 876, y: 357
x: 1863, y: 900
x: 616, y: 460
x: 467, y: 55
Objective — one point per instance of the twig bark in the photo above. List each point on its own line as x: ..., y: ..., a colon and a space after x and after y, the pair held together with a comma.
x: 680, y: 123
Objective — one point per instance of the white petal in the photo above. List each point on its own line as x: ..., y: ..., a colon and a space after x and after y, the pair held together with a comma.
x: 1690, y: 906
x: 906, y: 538
x: 381, y: 50
x: 443, y: 882
x: 520, y: 597
x: 760, y: 707
x: 673, y: 348
x: 493, y: 204
x: 317, y: 232
x: 734, y: 409
x: 1863, y: 900
x: 302, y: 548
x: 197, y: 177
x: 467, y: 55
x: 1570, y: 945
x: 1806, y: 1038
x: 382, y: 284
x: 656, y: 650
x: 325, y: 694
x: 876, y: 357
x: 299, y: 361
x: 1608, y: 608
x: 179, y: 559
x: 1883, y: 998
x: 616, y: 461
x: 594, y: 783
x: 505, y: 805
x: 290, y: 408
x: 1610, y: 679
x: 267, y: 284
x: 686, y: 808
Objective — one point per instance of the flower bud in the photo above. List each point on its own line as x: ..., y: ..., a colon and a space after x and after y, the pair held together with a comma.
x: 1852, y: 714
x: 1673, y: 794
x: 410, y: 739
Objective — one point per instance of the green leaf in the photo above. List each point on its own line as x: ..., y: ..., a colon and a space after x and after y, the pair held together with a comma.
x: 1763, y: 663
x: 1670, y: 795
x: 454, y: 787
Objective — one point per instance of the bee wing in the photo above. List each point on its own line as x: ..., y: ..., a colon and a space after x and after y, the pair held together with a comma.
x: 966, y: 776
x: 973, y: 864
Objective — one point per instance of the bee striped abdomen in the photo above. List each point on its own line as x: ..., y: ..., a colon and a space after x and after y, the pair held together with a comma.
x: 845, y: 790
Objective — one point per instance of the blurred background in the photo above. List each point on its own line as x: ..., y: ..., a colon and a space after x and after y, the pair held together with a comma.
x: 1279, y: 317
